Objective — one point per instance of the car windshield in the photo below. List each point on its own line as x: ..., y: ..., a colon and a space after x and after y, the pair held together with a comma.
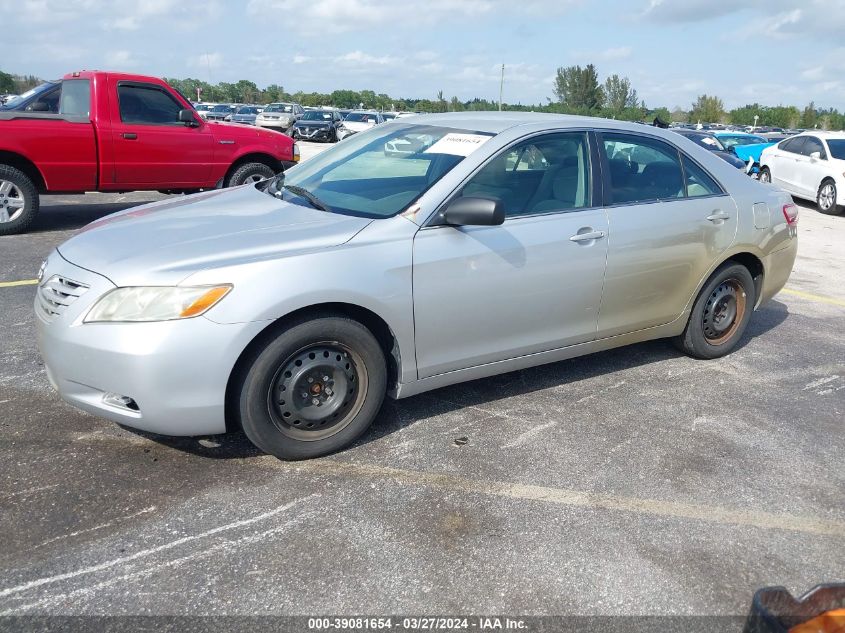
x: 12, y: 103
x: 837, y: 148
x: 221, y: 108
x: 279, y: 107
x: 248, y: 110
x: 733, y: 141
x: 363, y: 117
x: 379, y: 173
x: 313, y: 115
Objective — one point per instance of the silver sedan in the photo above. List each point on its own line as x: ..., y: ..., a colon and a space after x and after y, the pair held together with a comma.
x: 291, y: 307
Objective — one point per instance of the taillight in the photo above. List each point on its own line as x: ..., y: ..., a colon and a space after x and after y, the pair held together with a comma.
x: 790, y: 212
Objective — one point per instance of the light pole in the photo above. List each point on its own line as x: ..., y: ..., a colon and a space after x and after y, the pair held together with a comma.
x: 501, y: 87
x: 755, y: 122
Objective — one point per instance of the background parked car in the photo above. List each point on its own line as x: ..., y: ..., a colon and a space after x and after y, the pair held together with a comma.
x: 708, y: 141
x: 220, y: 112
x: 809, y: 166
x: 204, y: 108
x: 279, y: 116
x: 318, y: 125
x: 359, y: 120
x: 246, y: 114
x: 43, y: 98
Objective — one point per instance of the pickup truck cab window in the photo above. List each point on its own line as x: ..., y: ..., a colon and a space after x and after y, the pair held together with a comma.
x: 76, y: 97
x: 147, y: 104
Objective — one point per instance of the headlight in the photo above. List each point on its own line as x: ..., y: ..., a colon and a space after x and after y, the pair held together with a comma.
x: 155, y: 303
x: 295, y: 152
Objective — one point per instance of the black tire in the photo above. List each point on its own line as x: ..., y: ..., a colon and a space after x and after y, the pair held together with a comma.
x: 19, y: 201
x: 826, y: 198
x: 720, y: 314
x: 765, y: 174
x: 250, y: 172
x: 277, y: 400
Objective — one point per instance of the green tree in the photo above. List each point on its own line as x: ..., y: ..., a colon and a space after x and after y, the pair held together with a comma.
x: 680, y: 115
x: 7, y: 83
x: 707, y: 109
x: 455, y: 105
x: 809, y: 118
x: 618, y: 94
x: 578, y: 88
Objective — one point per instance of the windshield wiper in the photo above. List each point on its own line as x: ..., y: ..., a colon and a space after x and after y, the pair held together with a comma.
x: 312, y: 199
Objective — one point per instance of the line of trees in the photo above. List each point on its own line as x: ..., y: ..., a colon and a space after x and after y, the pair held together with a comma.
x: 577, y: 90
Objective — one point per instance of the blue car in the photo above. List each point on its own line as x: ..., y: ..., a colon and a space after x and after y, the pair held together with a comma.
x: 746, y: 147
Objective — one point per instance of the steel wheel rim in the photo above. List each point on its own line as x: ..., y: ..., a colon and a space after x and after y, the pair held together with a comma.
x: 317, y: 391
x: 828, y: 193
x: 724, y: 311
x: 765, y: 177
x: 12, y: 202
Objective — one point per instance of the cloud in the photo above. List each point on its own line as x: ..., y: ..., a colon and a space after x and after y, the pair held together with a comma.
x: 356, y: 58
x: 206, y: 61
x: 339, y: 16
x: 120, y: 60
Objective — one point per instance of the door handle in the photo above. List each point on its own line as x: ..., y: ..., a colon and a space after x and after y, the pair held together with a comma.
x: 131, y: 136
x: 587, y: 237
x: 718, y: 216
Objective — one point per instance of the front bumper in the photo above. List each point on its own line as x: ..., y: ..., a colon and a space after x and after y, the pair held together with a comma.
x: 175, y: 371
x: 312, y: 134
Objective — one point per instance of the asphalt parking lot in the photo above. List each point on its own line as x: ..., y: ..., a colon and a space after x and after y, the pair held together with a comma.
x: 634, y: 481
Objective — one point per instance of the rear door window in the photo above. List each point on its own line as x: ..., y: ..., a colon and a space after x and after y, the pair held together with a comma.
x: 642, y: 169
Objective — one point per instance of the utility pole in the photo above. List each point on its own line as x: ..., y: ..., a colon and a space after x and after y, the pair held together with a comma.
x: 501, y: 87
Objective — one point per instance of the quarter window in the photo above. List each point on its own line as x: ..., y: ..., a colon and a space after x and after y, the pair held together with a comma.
x: 792, y: 145
x: 642, y: 169
x: 147, y: 105
x: 541, y: 175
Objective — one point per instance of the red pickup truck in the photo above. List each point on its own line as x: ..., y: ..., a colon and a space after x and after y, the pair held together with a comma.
x: 106, y: 131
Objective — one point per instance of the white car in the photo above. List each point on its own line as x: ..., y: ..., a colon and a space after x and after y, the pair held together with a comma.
x: 360, y: 121
x: 809, y: 166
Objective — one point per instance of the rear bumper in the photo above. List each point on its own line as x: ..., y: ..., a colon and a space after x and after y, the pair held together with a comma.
x: 777, y: 267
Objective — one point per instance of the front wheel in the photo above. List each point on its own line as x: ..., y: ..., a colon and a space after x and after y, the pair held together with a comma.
x: 250, y: 173
x: 765, y: 175
x: 720, y: 313
x: 313, y: 389
x: 826, y: 198
x: 18, y: 201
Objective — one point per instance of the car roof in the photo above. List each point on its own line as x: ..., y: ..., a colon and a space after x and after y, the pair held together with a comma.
x: 823, y: 133
x: 496, y: 122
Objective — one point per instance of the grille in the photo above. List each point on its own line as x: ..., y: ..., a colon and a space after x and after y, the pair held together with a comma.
x: 57, y: 293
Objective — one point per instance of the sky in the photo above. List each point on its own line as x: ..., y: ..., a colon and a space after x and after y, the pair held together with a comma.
x: 768, y: 51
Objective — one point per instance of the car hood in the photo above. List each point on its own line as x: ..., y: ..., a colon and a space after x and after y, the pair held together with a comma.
x: 164, y: 242
x: 302, y: 123
x: 357, y: 126
x: 744, y: 152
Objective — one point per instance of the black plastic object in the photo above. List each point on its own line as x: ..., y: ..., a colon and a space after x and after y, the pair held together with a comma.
x: 774, y: 610
x: 475, y: 211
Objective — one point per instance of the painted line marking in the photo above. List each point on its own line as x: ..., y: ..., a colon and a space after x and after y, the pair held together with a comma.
x: 22, y: 282
x: 577, y: 498
x: 32, y: 584
x: 813, y: 297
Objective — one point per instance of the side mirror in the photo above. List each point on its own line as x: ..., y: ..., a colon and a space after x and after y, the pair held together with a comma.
x: 815, y: 155
x: 474, y: 212
x: 187, y: 117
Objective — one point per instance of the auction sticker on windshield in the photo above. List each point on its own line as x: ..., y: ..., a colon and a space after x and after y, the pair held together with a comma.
x: 458, y: 144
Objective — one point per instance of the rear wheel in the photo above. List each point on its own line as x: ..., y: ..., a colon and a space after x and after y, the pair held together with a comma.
x: 250, y: 173
x: 720, y: 313
x: 826, y: 198
x: 765, y: 175
x: 18, y: 201
x: 313, y: 389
